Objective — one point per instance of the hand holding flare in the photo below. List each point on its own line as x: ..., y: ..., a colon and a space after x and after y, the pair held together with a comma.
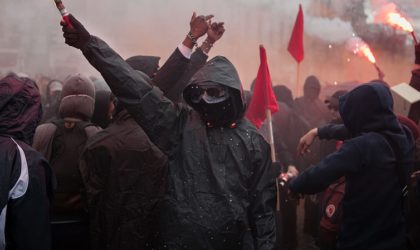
x: 64, y: 13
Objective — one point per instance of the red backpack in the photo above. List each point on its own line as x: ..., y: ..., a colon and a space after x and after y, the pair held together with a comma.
x: 331, y: 206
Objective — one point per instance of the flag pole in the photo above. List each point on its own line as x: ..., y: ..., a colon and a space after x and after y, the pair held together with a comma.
x: 271, y: 134
x: 297, y: 80
x: 273, y: 153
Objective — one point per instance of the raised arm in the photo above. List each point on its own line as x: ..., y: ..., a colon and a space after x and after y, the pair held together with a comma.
x: 173, y: 90
x: 156, y: 114
x: 327, y: 132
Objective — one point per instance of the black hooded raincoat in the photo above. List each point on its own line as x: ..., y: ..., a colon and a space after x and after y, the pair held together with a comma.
x: 221, y: 187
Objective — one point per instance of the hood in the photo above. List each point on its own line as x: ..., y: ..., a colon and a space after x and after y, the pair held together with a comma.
x: 220, y: 70
x: 77, y: 98
x: 146, y: 64
x: 53, y: 86
x: 284, y: 94
x: 100, y: 113
x: 100, y: 85
x: 369, y: 108
x: 20, y: 108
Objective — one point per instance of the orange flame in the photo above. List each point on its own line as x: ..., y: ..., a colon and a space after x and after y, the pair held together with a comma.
x: 365, y: 51
x: 396, y: 20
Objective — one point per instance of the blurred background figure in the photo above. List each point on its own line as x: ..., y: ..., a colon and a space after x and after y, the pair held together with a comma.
x: 61, y: 141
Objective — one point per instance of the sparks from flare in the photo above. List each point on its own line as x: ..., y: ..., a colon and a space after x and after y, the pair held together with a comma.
x: 359, y: 47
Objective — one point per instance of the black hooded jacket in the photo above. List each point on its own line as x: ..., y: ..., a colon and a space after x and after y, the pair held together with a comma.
x: 221, y: 191
x: 27, y: 221
x: 372, y: 205
x: 124, y: 176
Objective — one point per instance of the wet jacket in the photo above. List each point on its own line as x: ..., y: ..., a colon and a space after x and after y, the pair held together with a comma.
x: 372, y: 205
x: 124, y: 176
x: 220, y: 183
x: 27, y: 215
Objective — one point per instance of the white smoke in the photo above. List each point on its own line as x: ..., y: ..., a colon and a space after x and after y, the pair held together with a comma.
x: 330, y: 30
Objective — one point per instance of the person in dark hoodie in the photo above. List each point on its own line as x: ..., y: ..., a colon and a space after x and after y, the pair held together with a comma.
x: 25, y: 176
x: 61, y: 141
x: 124, y: 175
x: 374, y: 158
x: 221, y: 187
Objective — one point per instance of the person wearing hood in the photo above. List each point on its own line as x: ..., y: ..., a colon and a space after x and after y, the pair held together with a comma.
x: 221, y: 186
x: 61, y: 141
x: 124, y: 175
x: 25, y: 176
x: 375, y: 158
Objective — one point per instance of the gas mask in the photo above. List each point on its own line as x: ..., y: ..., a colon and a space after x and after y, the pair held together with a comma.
x: 213, y: 102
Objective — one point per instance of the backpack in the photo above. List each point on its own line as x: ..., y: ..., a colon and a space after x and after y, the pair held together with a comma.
x: 62, y: 144
x: 332, y: 211
x: 332, y: 206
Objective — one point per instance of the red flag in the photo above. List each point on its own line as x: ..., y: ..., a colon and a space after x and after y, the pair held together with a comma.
x: 263, y: 97
x: 296, y: 40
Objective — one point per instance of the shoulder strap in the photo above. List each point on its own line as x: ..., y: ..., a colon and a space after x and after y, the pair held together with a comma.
x: 43, y: 139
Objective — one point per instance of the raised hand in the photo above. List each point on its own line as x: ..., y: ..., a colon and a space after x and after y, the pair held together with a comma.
x: 75, y: 35
x: 199, y: 25
x: 215, y: 32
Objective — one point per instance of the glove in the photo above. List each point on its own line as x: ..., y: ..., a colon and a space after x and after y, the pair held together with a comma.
x: 76, y: 36
x: 417, y: 53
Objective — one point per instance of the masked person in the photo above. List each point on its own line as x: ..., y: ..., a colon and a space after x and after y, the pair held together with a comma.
x: 25, y: 176
x: 374, y: 158
x: 221, y: 188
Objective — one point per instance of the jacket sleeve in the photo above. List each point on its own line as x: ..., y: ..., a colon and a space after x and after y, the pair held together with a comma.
x: 317, y: 178
x: 172, y: 70
x: 414, y: 113
x: 334, y: 132
x: 175, y: 65
x: 263, y: 199
x: 160, y: 118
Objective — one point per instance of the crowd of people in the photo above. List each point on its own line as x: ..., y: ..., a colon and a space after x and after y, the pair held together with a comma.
x: 157, y: 157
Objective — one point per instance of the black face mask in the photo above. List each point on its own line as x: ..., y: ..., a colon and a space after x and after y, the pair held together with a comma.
x: 216, y: 114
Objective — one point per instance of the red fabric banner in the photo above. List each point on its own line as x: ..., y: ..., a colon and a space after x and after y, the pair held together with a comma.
x: 263, y: 97
x: 296, y: 40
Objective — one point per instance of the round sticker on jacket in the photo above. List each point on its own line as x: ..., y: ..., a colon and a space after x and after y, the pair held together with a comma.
x: 330, y: 210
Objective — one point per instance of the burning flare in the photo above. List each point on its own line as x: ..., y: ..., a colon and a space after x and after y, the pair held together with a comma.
x: 396, y: 20
x: 390, y: 16
x: 359, y: 47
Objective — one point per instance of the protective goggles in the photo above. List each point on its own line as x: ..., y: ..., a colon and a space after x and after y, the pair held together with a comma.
x: 210, y: 93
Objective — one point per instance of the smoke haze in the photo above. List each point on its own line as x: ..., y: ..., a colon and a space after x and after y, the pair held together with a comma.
x: 31, y: 38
